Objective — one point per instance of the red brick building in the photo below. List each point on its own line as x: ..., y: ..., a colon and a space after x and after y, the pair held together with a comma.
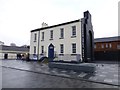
x: 107, y: 48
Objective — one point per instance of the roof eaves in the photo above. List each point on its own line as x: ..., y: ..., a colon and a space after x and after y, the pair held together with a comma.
x: 79, y: 20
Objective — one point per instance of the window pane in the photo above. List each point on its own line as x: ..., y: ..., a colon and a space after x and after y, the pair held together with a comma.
x: 42, y: 49
x: 42, y: 35
x: 118, y: 46
x: 106, y: 45
x: 34, y: 49
x: 51, y: 34
x: 35, y: 37
x: 62, y: 33
x: 110, y: 45
x: 73, y: 30
x: 102, y: 45
x: 61, y: 48
x: 73, y: 48
x: 94, y: 45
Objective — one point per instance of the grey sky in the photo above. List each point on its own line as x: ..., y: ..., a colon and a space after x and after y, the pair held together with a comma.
x: 19, y: 17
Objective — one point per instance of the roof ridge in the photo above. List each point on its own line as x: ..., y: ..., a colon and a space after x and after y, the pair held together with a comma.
x: 38, y: 29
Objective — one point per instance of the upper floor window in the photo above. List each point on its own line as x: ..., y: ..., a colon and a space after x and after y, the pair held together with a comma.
x: 42, y: 36
x: 51, y: 35
x: 61, y: 48
x: 35, y: 37
x: 102, y: 45
x: 73, y: 47
x: 106, y: 45
x: 61, y: 33
x: 118, y: 46
x: 34, y: 49
x: 110, y: 45
x: 94, y: 45
x: 73, y: 31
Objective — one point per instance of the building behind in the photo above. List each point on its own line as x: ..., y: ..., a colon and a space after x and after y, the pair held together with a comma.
x: 74, y: 38
x: 107, y: 48
x: 13, y: 52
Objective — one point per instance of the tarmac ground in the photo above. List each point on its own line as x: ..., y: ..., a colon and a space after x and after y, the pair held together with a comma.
x: 32, y: 74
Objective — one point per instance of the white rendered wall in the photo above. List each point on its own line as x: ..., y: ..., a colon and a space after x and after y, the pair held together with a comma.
x: 67, y: 41
x: 32, y: 43
x: 1, y: 56
x: 12, y: 56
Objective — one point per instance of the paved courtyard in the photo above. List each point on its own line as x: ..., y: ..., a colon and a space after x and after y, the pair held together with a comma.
x: 105, y: 75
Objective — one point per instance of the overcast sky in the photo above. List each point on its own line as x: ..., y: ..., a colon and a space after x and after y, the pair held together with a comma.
x: 19, y: 17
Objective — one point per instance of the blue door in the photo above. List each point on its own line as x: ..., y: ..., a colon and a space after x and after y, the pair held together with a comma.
x: 51, y: 52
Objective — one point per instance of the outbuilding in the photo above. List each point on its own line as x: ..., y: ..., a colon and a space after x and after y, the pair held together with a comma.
x: 13, y: 52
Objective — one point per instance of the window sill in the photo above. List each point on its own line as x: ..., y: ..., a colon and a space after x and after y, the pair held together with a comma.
x: 61, y: 38
x: 73, y: 36
x: 73, y: 54
x: 51, y: 39
x: 42, y: 40
x: 61, y: 54
x: 42, y: 54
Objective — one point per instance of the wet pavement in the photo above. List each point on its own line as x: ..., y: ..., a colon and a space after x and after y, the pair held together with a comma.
x: 22, y: 74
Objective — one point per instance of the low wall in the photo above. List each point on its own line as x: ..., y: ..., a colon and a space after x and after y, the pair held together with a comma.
x: 83, y: 67
x: 67, y: 57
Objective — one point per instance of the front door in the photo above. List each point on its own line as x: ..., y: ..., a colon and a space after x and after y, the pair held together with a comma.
x: 51, y: 52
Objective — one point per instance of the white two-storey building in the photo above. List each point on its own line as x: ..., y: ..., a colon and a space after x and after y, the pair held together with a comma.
x: 72, y: 40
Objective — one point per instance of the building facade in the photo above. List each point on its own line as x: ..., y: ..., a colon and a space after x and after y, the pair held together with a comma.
x: 107, y: 48
x: 13, y: 52
x: 70, y: 40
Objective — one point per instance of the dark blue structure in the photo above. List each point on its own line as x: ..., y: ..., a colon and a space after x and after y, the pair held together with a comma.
x: 87, y: 38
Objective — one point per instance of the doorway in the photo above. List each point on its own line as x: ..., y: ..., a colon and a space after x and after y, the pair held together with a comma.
x: 91, y: 46
x: 5, y: 56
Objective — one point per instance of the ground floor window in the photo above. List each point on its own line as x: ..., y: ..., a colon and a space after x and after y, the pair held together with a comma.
x: 61, y: 48
x: 34, y: 49
x: 73, y: 47
x: 42, y: 49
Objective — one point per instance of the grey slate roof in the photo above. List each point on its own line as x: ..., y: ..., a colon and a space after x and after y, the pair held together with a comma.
x: 107, y: 39
x: 55, y: 25
x: 14, y: 48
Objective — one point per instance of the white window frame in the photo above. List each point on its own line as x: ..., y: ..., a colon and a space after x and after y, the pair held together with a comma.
x: 34, y: 49
x: 73, y: 30
x: 42, y: 49
x: 35, y: 37
x: 62, y: 48
x: 74, y: 47
x: 43, y: 36
x: 51, y: 34
x: 61, y: 33
x: 110, y: 45
x: 118, y: 46
x: 102, y: 45
x: 106, y: 45
x: 95, y: 46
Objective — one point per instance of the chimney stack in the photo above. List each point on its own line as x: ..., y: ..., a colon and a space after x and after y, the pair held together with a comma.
x: 44, y: 24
